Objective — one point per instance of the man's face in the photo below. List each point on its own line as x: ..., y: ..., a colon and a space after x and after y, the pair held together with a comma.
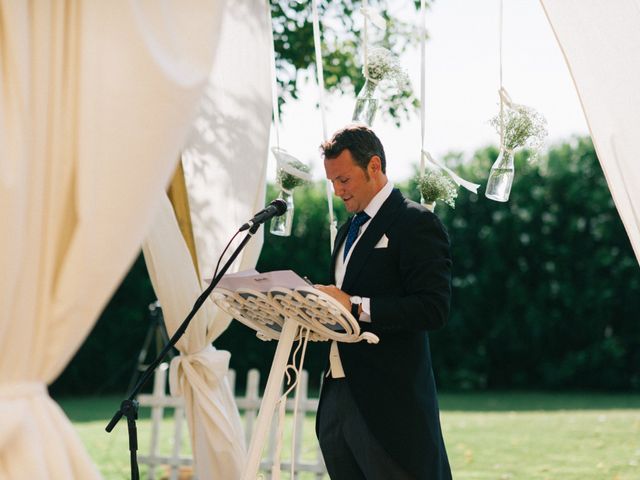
x: 350, y: 182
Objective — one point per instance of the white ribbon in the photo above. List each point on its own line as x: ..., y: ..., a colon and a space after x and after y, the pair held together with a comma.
x: 472, y: 187
x: 374, y: 17
x: 425, y: 156
x: 274, y: 81
x: 370, y: 15
x: 319, y: 69
x: 423, y: 89
x: 333, y: 229
x: 506, y: 98
x: 365, y: 40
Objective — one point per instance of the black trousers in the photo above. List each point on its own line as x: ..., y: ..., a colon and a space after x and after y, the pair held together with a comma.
x: 349, y: 449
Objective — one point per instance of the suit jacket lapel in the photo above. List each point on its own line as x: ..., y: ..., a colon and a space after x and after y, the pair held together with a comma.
x: 379, y: 224
x: 340, y: 237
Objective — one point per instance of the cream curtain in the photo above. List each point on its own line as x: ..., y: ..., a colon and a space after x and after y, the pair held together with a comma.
x: 600, y: 40
x: 95, y: 103
x: 199, y: 372
x: 225, y: 166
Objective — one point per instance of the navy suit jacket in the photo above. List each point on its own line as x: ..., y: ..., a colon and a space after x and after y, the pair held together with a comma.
x: 409, y: 284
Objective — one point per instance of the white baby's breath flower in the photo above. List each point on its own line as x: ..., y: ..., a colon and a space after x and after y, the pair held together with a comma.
x: 523, y: 127
x: 287, y: 180
x: 436, y: 185
x: 382, y: 64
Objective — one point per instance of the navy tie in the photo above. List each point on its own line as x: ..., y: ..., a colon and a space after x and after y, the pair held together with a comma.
x: 359, y: 220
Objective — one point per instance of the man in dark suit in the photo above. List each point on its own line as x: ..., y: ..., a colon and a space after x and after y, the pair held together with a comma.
x: 378, y: 416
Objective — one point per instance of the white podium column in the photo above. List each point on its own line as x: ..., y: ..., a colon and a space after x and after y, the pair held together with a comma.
x: 272, y: 393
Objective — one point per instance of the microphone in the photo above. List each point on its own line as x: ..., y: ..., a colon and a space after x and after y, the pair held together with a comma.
x: 274, y: 209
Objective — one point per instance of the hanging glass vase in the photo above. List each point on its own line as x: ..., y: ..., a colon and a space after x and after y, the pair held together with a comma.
x: 281, y: 225
x: 366, y: 104
x: 431, y: 206
x: 501, y: 177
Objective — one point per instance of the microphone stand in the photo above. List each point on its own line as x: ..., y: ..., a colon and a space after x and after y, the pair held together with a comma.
x: 129, y: 406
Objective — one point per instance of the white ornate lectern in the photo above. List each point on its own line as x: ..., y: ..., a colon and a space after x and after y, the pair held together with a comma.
x: 278, y: 315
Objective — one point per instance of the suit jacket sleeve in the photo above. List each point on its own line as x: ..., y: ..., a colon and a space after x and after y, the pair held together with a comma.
x: 424, y: 271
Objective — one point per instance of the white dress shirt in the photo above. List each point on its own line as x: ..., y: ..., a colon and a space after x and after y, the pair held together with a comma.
x: 372, y: 209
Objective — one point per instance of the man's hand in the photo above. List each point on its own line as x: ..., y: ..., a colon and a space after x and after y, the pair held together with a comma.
x: 336, y: 293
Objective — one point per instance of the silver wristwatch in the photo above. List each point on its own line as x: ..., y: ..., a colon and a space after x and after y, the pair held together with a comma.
x: 355, y: 304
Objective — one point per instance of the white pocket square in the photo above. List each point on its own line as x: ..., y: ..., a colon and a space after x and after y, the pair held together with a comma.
x: 383, y: 242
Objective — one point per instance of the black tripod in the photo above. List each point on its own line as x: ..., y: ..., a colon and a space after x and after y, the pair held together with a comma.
x: 156, y: 333
x: 129, y: 406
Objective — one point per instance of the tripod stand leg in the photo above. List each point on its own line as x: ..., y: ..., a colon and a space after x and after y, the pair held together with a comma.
x: 271, y: 395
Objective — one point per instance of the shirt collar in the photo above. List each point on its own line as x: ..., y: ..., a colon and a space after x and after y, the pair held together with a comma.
x: 379, y: 198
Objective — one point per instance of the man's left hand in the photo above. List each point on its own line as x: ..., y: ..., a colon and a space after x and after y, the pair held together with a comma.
x: 335, y: 292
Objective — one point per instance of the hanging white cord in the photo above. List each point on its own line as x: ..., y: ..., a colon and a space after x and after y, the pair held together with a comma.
x: 365, y: 39
x: 274, y: 81
x: 425, y: 156
x: 501, y: 87
x: 306, y: 334
x: 303, y: 340
x: 333, y: 229
x: 423, y: 81
x: 319, y: 69
x: 376, y: 20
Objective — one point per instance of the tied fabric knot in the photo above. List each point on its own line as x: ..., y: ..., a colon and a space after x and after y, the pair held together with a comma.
x: 15, y: 408
x: 359, y: 220
x: 19, y: 390
x: 200, y: 378
x: 208, y: 365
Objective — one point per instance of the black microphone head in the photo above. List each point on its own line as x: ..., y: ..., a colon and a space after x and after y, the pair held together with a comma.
x: 281, y: 206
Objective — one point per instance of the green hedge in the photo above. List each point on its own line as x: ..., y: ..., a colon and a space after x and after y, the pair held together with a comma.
x: 546, y: 288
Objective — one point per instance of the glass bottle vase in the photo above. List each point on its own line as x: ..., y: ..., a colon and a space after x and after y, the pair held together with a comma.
x: 281, y: 225
x: 366, y: 104
x: 431, y: 206
x: 501, y: 177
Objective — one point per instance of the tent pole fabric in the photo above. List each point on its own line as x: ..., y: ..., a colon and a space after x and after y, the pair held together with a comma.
x: 225, y: 164
x: 68, y: 132
x: 600, y: 45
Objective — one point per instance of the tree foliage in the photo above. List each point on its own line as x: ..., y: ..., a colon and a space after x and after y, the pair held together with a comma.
x: 341, y: 25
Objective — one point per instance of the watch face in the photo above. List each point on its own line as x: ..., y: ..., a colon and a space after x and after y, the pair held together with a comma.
x: 355, y: 300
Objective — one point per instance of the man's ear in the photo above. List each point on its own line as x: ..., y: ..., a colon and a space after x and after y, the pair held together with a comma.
x: 375, y: 164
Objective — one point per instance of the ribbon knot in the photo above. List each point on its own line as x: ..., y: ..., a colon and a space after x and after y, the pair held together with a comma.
x: 208, y: 365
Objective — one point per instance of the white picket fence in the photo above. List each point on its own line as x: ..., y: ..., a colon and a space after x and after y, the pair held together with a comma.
x: 176, y: 462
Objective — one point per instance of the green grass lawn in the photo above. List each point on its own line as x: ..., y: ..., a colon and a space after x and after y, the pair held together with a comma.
x: 493, y: 436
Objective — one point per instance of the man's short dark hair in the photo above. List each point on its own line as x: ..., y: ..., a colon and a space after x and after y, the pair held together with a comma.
x: 360, y: 141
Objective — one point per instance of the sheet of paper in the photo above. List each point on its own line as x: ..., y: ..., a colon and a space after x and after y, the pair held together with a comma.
x: 262, y: 282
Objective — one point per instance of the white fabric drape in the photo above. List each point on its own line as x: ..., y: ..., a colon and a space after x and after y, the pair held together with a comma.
x: 225, y: 173
x: 600, y: 40
x: 95, y: 104
x: 199, y: 372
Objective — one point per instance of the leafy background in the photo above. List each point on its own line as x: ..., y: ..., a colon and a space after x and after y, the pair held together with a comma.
x: 546, y: 287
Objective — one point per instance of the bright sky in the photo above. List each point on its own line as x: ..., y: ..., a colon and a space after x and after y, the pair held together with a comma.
x: 462, y: 83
